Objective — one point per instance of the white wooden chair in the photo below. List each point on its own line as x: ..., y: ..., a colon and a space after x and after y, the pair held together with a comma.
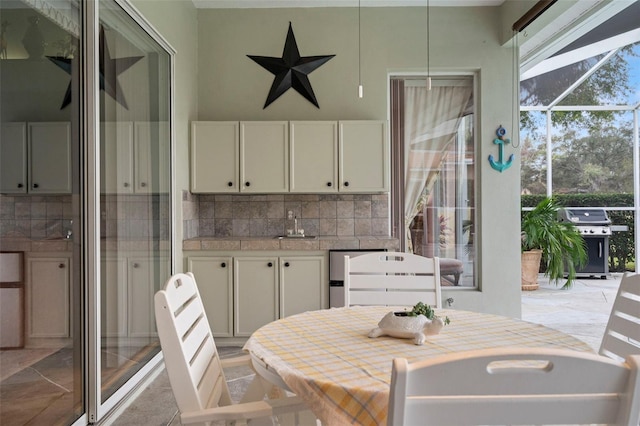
x: 622, y: 334
x: 543, y: 386
x: 194, y: 367
x: 392, y: 278
x: 515, y: 386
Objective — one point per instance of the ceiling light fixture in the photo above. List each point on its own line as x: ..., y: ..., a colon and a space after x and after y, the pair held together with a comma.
x: 360, y: 89
x: 428, y: 42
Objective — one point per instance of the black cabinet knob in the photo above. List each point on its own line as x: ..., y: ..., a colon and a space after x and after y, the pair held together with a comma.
x: 61, y: 266
x: 126, y: 184
x: 143, y: 184
x: 247, y: 184
x: 269, y: 264
x: 224, y: 265
x: 229, y: 183
x: 346, y: 184
x: 20, y: 185
x: 35, y: 185
x: 329, y: 184
x: 286, y: 264
x: 136, y: 265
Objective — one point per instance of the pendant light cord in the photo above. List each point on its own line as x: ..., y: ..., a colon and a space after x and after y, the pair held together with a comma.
x: 359, y: 54
x: 428, y: 50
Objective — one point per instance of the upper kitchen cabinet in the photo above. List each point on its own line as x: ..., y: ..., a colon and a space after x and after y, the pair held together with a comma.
x: 36, y: 158
x: 129, y: 155
x: 364, y: 156
x: 264, y: 156
x: 116, y: 157
x: 215, y: 156
x: 314, y: 156
x: 13, y: 158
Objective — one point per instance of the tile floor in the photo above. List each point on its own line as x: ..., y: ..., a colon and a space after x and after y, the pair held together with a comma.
x: 581, y: 311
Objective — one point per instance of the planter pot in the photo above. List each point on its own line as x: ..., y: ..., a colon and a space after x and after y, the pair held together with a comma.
x: 530, y: 267
x: 399, y: 324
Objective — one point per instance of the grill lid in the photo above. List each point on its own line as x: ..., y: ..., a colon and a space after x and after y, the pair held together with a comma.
x: 584, y: 216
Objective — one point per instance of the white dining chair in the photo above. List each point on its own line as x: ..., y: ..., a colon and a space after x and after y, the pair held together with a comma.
x: 194, y: 367
x: 622, y: 334
x: 392, y: 278
x: 515, y: 386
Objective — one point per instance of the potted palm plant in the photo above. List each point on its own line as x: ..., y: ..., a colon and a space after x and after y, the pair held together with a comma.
x: 558, y: 244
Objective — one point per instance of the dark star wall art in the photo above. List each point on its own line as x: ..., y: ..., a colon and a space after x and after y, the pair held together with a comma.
x: 291, y: 70
x: 109, y: 69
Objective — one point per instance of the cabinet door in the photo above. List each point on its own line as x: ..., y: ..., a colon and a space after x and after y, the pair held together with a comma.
x: 215, y: 156
x: 314, y: 156
x: 48, y: 296
x: 302, y: 284
x: 116, y: 142
x: 256, y: 293
x: 145, y: 276
x: 113, y: 292
x: 13, y: 158
x: 50, y: 158
x: 214, y: 277
x: 264, y: 156
x: 364, y: 156
x: 151, y: 165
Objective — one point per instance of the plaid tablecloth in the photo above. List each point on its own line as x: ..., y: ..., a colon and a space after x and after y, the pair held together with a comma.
x: 327, y: 359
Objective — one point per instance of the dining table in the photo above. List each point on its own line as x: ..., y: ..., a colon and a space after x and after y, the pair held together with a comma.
x: 328, y: 360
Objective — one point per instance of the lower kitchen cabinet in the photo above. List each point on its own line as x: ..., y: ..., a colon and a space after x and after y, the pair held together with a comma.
x: 302, y: 283
x: 48, y: 296
x: 128, y: 286
x: 255, y: 285
x: 243, y: 292
x: 214, y: 276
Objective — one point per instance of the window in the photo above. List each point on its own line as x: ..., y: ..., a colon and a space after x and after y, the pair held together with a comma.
x: 433, y: 157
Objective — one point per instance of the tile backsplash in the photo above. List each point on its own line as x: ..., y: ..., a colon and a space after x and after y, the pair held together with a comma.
x: 35, y: 217
x: 244, y: 215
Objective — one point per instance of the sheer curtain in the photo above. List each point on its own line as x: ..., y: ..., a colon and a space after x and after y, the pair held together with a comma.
x: 431, y: 122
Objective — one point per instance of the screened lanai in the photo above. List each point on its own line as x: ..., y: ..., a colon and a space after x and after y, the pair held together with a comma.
x: 579, y: 119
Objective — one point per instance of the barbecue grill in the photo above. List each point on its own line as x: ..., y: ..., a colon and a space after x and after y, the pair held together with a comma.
x: 595, y: 227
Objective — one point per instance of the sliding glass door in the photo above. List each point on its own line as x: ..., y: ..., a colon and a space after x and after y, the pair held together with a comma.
x: 134, y: 194
x: 42, y: 337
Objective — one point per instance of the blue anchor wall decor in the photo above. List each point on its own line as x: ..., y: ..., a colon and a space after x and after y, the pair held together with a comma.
x: 500, y: 165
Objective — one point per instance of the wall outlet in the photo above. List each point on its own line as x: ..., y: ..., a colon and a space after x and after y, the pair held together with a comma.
x: 290, y: 214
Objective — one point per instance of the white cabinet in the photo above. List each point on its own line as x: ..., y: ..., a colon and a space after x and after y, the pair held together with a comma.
x: 113, y: 297
x: 36, y: 158
x: 314, y: 156
x: 134, y: 157
x: 264, y: 156
x: 214, y: 276
x: 128, y: 285
x: 13, y: 158
x: 116, y: 157
x: 48, y: 296
x: 215, y: 156
x: 243, y: 292
x: 297, y: 156
x: 255, y: 284
x: 364, y: 156
x: 302, y: 284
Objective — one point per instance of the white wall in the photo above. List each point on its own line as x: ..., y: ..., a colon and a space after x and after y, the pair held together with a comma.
x: 214, y: 70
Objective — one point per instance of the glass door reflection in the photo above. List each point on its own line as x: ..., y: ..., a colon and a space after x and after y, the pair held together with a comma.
x: 135, y: 227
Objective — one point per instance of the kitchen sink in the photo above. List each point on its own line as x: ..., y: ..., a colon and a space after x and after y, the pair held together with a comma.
x: 296, y: 237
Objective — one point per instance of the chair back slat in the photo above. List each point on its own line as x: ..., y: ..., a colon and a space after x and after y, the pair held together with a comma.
x: 622, y: 334
x: 391, y: 298
x: 188, y: 346
x: 392, y: 278
x: 515, y: 386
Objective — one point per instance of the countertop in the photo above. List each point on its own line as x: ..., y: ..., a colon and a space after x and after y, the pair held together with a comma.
x: 273, y: 243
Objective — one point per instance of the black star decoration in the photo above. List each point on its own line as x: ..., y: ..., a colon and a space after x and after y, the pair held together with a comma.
x: 109, y: 69
x: 291, y: 70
